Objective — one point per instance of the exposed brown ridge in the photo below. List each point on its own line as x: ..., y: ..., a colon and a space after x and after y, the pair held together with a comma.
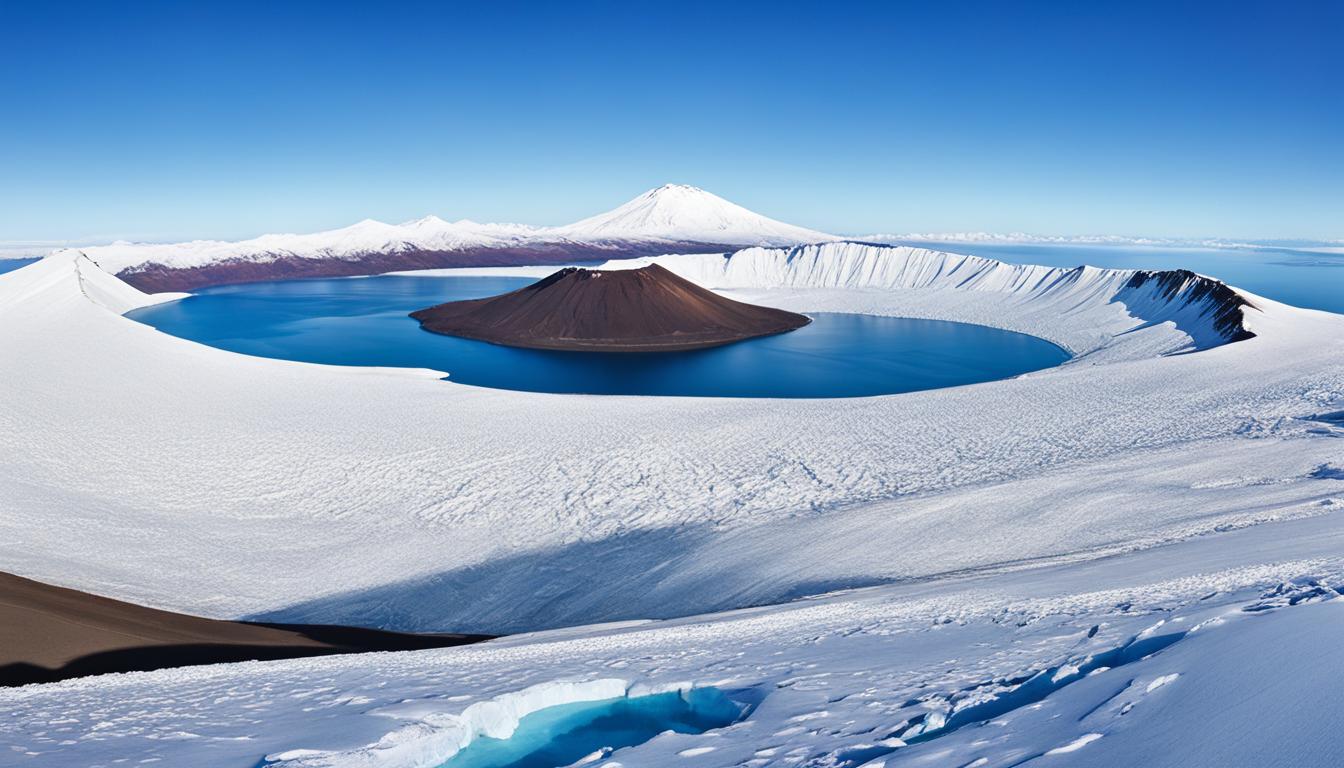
x: 636, y: 310
x: 155, y: 278
x: 50, y: 633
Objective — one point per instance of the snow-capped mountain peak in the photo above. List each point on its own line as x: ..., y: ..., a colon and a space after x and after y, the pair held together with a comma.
x: 427, y: 222
x: 660, y: 220
x: 680, y: 212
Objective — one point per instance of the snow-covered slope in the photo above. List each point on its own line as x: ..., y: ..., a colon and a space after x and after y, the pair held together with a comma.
x: 166, y: 472
x: 680, y: 213
x: 368, y: 236
x: 656, y: 221
x: 1209, y: 653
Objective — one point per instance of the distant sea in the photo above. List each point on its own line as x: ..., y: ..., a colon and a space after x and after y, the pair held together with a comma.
x: 9, y: 265
x: 1298, y: 277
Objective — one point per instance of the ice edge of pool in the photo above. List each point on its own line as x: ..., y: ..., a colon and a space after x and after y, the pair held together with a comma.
x: 432, y: 737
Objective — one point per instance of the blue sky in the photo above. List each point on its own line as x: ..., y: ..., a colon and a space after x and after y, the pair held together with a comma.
x: 173, y: 120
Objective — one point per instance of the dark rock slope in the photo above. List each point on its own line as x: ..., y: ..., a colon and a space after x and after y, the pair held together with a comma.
x: 51, y: 633
x: 637, y: 310
x: 157, y: 278
x: 1222, y: 305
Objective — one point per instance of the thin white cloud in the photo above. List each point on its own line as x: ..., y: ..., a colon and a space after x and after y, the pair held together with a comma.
x: 1023, y: 238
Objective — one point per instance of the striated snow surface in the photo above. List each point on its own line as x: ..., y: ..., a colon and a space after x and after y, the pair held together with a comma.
x: 670, y: 214
x: 162, y: 471
x: 1204, y: 654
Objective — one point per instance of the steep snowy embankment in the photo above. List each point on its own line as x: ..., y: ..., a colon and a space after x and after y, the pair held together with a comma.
x: 157, y: 470
x: 1126, y: 313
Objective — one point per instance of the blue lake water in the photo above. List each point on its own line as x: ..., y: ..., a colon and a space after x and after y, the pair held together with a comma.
x: 561, y: 735
x: 363, y: 321
x: 9, y: 265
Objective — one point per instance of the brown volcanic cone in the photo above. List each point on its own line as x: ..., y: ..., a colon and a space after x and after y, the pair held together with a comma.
x: 637, y: 310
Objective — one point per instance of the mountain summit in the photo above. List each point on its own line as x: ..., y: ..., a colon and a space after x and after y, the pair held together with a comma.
x: 683, y: 213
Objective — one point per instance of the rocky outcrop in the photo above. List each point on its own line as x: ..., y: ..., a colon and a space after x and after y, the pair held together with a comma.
x: 50, y: 633
x: 1222, y: 306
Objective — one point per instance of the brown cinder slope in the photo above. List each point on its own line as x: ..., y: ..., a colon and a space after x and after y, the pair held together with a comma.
x: 637, y: 310
x: 51, y: 633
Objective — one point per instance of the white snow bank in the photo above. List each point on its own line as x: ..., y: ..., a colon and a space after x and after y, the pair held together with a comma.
x: 50, y: 284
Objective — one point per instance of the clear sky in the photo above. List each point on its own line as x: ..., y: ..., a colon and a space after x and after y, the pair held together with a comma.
x: 189, y: 119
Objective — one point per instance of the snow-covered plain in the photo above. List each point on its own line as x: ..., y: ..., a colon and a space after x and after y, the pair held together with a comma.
x: 1020, y: 529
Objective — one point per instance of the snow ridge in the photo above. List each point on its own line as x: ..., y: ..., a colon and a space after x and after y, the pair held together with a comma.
x: 430, y: 233
x: 1073, y: 307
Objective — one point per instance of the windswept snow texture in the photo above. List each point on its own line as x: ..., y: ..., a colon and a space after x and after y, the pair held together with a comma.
x: 1203, y: 654
x: 160, y: 471
x: 671, y: 217
x: 1132, y: 559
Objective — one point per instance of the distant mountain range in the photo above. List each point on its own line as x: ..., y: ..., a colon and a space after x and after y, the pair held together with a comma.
x: 672, y: 218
